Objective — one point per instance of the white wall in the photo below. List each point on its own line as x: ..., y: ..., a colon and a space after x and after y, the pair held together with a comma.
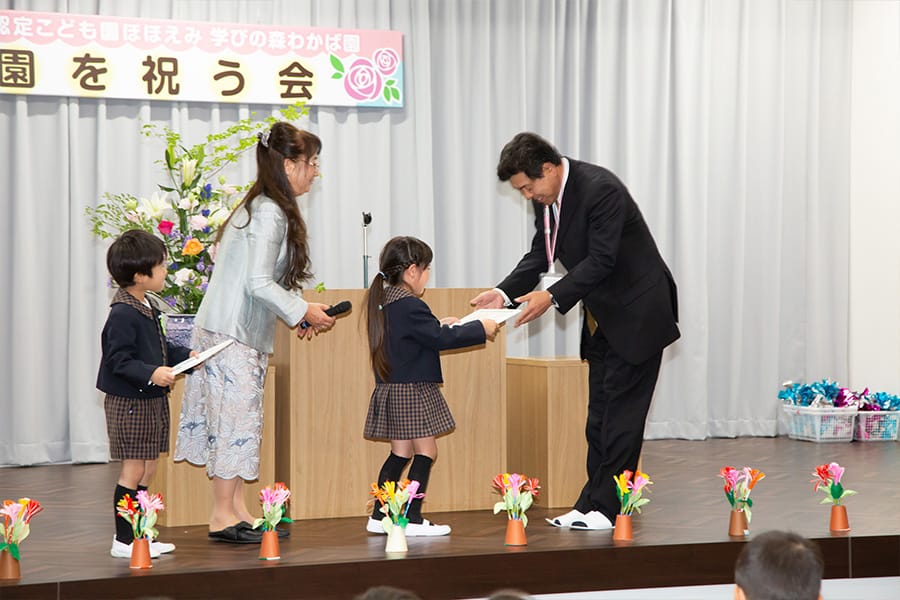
x: 874, y: 228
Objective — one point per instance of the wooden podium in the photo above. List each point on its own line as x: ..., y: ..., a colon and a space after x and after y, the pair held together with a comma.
x: 547, y: 412
x: 186, y: 490
x: 322, y: 396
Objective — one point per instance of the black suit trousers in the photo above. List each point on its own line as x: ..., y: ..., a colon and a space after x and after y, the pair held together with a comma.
x: 619, y: 400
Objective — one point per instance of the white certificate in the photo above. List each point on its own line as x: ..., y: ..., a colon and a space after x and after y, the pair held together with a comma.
x: 495, y: 314
x: 196, y: 360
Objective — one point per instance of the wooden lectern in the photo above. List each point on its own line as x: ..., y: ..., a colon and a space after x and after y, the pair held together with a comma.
x: 547, y: 415
x: 322, y: 396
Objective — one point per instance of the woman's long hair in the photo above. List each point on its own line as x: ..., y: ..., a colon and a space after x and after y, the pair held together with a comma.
x: 282, y: 141
x: 397, y: 256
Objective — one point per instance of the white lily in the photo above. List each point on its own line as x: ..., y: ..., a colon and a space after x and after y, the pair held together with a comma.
x: 156, y: 206
x: 188, y: 170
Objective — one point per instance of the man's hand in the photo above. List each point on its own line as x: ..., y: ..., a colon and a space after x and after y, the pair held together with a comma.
x: 535, y: 304
x: 487, y: 299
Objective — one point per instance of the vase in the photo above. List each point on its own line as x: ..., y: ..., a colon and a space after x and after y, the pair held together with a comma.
x: 515, y: 533
x: 622, y: 532
x: 268, y: 549
x: 839, y: 521
x: 140, y: 554
x: 396, y: 539
x: 9, y: 566
x: 737, y: 525
x: 179, y: 328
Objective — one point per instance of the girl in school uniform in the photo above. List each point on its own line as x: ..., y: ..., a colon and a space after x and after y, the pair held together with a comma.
x: 405, y: 340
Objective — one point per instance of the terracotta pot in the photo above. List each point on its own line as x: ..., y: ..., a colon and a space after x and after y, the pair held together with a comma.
x: 140, y: 554
x: 9, y: 566
x: 269, y: 549
x: 396, y: 539
x: 839, y: 521
x: 737, y: 525
x: 622, y: 532
x: 515, y: 533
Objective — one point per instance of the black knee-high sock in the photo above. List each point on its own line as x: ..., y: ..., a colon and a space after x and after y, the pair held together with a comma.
x: 142, y: 488
x: 418, y: 471
x: 124, y: 533
x: 391, y: 470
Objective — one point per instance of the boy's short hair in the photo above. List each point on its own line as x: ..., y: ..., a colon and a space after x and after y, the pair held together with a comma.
x: 133, y: 252
x: 780, y: 565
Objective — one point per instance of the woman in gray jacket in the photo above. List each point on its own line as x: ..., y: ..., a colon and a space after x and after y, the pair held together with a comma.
x: 261, y: 263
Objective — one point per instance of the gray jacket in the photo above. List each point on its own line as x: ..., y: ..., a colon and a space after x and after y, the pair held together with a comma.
x: 244, y: 296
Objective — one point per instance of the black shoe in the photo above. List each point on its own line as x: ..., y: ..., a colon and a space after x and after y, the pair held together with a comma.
x: 282, y: 533
x: 235, y: 534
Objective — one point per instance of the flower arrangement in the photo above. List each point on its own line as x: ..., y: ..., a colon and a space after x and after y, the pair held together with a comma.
x: 273, y: 500
x: 141, y: 513
x: 738, y: 484
x: 629, y: 491
x: 517, y: 492
x: 15, y: 527
x: 395, y: 498
x: 828, y: 479
x: 188, y: 209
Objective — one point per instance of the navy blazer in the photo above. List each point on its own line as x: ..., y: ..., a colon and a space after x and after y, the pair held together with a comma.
x: 132, y: 351
x: 613, y: 264
x: 415, y: 338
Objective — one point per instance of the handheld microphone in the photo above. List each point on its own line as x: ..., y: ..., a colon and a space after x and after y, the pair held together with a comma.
x: 332, y: 311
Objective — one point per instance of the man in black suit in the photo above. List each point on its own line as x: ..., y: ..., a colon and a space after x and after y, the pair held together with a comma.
x: 586, y: 219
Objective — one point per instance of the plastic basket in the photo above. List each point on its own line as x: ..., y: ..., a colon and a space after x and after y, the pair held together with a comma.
x: 820, y: 424
x: 877, y: 426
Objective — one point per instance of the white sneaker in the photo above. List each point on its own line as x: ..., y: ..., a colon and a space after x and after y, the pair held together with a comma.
x: 123, y: 550
x: 161, y: 547
x: 592, y: 521
x: 426, y: 528
x: 374, y: 526
x: 566, y: 519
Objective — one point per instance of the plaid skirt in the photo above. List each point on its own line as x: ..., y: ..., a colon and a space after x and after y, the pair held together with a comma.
x: 405, y: 411
x: 138, y: 428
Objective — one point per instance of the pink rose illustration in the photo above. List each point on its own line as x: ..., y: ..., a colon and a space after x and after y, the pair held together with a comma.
x: 386, y: 60
x: 363, y: 81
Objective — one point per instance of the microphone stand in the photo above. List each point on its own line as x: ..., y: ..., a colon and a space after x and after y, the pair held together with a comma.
x: 367, y: 219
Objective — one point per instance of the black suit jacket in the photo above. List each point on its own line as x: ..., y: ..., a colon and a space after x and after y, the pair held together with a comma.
x: 613, y: 264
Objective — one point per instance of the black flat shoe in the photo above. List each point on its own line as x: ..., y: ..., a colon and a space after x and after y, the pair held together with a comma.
x: 282, y: 533
x: 235, y: 534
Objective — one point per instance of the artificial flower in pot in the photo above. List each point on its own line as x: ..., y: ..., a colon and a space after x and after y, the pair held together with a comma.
x: 517, y: 494
x: 187, y: 210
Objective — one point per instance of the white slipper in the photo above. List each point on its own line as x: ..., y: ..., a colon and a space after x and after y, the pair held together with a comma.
x: 566, y: 519
x: 161, y: 547
x: 123, y: 550
x: 374, y: 526
x: 426, y: 529
x: 592, y: 521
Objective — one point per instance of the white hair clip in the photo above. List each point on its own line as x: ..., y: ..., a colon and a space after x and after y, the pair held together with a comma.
x: 264, y: 137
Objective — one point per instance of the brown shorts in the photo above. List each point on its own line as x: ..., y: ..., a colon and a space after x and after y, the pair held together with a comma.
x: 138, y: 428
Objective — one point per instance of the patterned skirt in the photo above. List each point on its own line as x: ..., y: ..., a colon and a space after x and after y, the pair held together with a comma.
x: 405, y: 411
x: 221, y: 414
x: 138, y: 428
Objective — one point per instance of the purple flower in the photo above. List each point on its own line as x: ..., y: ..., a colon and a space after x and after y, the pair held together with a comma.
x: 206, y: 192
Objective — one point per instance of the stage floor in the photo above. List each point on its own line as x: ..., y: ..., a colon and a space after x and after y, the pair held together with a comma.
x: 680, y: 539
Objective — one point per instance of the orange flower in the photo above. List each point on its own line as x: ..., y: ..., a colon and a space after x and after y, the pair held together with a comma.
x: 192, y: 247
x: 754, y: 476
